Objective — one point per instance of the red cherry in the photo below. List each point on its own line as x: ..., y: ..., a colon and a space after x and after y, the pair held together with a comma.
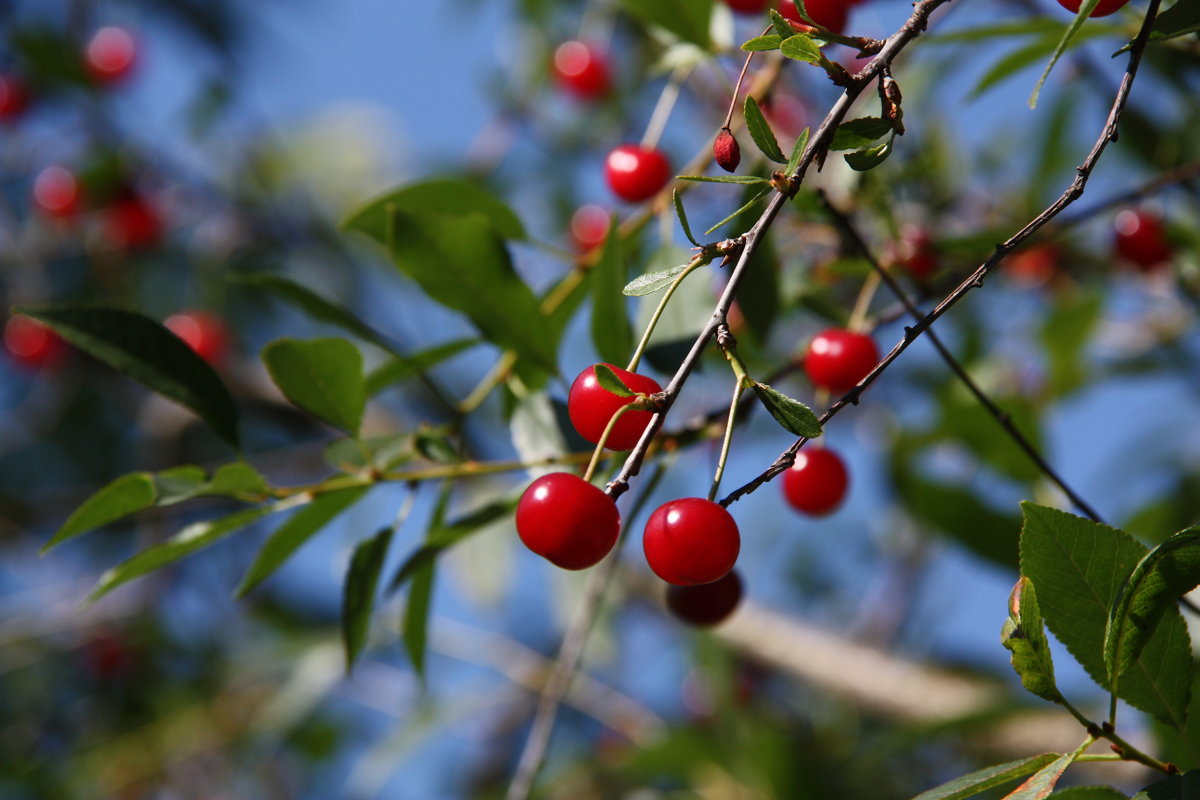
x: 691, y: 541
x: 109, y: 55
x: 591, y: 406
x: 202, y: 331
x: 1102, y: 9
x: 747, y: 6
x: 817, y: 482
x: 635, y: 173
x: 726, y: 152
x: 582, y: 70
x: 14, y: 97
x: 915, y: 252
x: 31, y: 344
x: 1033, y: 266
x: 567, y: 520
x: 131, y: 224
x: 57, y: 193
x: 589, y: 226
x: 829, y: 14
x: 707, y: 604
x: 1142, y: 239
x: 838, y: 359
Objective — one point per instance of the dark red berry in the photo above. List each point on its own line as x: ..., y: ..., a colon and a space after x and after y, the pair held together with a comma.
x: 829, y: 14
x: 726, y: 152
x: 591, y: 406
x: 57, y: 193
x: 817, y: 482
x: 747, y: 6
x: 31, y: 344
x: 707, y: 604
x: 202, y: 331
x: 1102, y: 9
x: 110, y: 55
x: 1142, y: 239
x: 589, y: 226
x: 567, y: 520
x: 14, y: 97
x: 838, y: 359
x: 582, y: 70
x: 108, y: 656
x: 636, y: 173
x: 691, y: 541
x: 131, y: 224
x: 1033, y: 266
x: 914, y: 253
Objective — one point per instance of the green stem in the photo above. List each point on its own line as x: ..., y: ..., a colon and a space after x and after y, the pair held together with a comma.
x: 662, y: 304
x: 612, y: 421
x: 738, y: 388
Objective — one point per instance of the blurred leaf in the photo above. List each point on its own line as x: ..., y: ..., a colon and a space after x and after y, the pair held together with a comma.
x: 987, y: 778
x: 1035, y: 25
x: 1081, y: 16
x: 147, y: 352
x: 1066, y: 332
x: 1178, y: 20
x: 181, y: 483
x: 653, y: 282
x: 611, y: 335
x: 124, y: 496
x: 435, y: 444
x: 447, y: 535
x: 358, y: 594
x: 760, y: 132
x: 1078, y: 567
x: 233, y: 480
x: 858, y: 133
x: 762, y: 43
x: 610, y: 381
x: 1174, y: 787
x: 746, y: 207
x: 445, y: 196
x: 801, y: 48
x: 1030, y: 54
x: 871, y: 157
x: 797, y: 152
x: 1164, y: 575
x: 1089, y: 793
x: 962, y: 420
x: 793, y: 415
x: 722, y: 178
x: 682, y: 214
x: 298, y: 529
x: 374, y: 452
x: 687, y: 19
x: 395, y: 370
x: 1024, y: 634
x: 322, y: 376
x: 416, y: 615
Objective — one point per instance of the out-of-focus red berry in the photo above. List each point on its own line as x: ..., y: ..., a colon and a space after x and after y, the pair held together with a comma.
x: 57, y: 192
x: 1141, y: 239
x: 31, y: 344
x: 1033, y: 266
x: 582, y: 69
x: 589, y: 226
x: 204, y: 332
x: 14, y: 97
x: 132, y: 224
x: 110, y: 55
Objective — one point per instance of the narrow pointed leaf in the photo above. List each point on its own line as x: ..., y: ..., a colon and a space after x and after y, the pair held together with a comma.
x: 859, y: 133
x: 762, y: 43
x: 870, y: 158
x: 149, y: 353
x: 395, y: 370
x: 801, y: 48
x: 322, y: 376
x: 298, y: 529
x: 749, y: 203
x: 124, y: 496
x: 313, y: 304
x: 1085, y: 10
x: 447, y: 535
x: 987, y: 778
x: 760, y: 132
x: 416, y: 615
x: 793, y: 415
x: 682, y: 214
x: 1042, y: 783
x: 652, y: 282
x: 611, y: 334
x: 779, y: 23
x: 441, y: 196
x: 610, y: 382
x: 797, y: 152
x: 746, y: 179
x: 358, y: 593
x: 1025, y: 636
x: 1175, y: 787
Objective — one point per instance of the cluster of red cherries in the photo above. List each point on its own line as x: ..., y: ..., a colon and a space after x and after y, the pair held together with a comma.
x: 125, y: 218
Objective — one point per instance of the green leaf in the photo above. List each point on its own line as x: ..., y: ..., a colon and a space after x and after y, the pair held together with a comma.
x: 396, y: 370
x: 462, y: 263
x: 1175, y: 787
x: 981, y: 780
x: 1085, y: 10
x: 447, y: 535
x: 793, y: 415
x: 1178, y: 20
x: 1089, y: 793
x: 722, y: 178
x: 322, y: 376
x: 779, y: 23
x: 1064, y: 335
x: 610, y: 382
x: 181, y: 483
x: 761, y: 44
x: 859, y: 133
x: 234, y: 480
x: 652, y: 282
x: 191, y: 539
x: 870, y: 158
x: 358, y: 594
x: 682, y: 214
x: 801, y: 48
x: 1078, y: 567
x: 416, y: 615
x: 797, y: 152
x: 124, y: 496
x: 149, y: 353
x: 749, y: 203
x: 374, y: 452
x: 452, y: 197
x: 761, y: 133
x: 1165, y: 574
x: 1025, y: 636
x: 687, y: 19
x: 611, y: 334
x: 1042, y: 783
x: 313, y: 304
x: 297, y: 530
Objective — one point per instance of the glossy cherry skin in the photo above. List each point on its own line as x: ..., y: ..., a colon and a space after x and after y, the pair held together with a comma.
x: 829, y: 14
x: 590, y: 407
x: 57, y: 192
x: 747, y: 6
x: 202, y: 331
x: 567, y: 520
x: 707, y: 604
x: 1102, y: 9
x: 838, y: 359
x: 691, y: 541
x: 31, y: 344
x: 14, y: 97
x: 915, y: 254
x: 816, y: 484
x: 110, y: 55
x: 1141, y: 239
x: 635, y: 173
x: 589, y: 226
x: 582, y: 69
x: 132, y: 224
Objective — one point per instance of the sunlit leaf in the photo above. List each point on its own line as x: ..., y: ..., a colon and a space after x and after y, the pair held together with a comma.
x: 990, y: 777
x: 322, y: 376
x: 760, y: 132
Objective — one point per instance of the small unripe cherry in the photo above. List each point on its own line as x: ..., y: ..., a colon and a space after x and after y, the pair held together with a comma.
x: 636, y: 173
x: 691, y: 541
x: 110, y: 55
x: 202, y: 331
x: 568, y: 521
x: 726, y: 151
x: 1102, y: 9
x: 1141, y: 239
x: 591, y: 406
x: 829, y: 14
x: 837, y: 359
x: 14, y: 97
x: 589, y: 226
x: 707, y: 604
x: 816, y: 483
x: 582, y: 70
x: 32, y: 344
x: 57, y: 193
x: 747, y: 6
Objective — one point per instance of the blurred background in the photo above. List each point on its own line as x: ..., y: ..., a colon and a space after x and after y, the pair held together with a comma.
x: 153, y: 151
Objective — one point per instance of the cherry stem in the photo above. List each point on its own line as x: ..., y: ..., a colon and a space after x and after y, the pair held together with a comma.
x: 737, y: 87
x: 662, y: 110
x: 695, y: 263
x: 862, y: 304
x: 738, y: 388
x: 608, y: 429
